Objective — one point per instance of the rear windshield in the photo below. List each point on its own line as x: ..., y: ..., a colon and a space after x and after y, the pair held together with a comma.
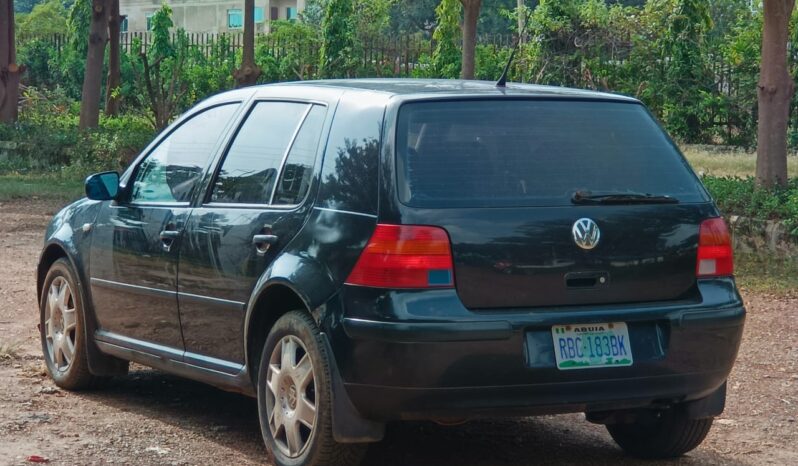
x: 501, y: 153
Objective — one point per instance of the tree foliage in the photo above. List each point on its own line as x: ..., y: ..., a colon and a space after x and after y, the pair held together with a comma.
x: 45, y: 18
x: 447, y: 58
x: 699, y: 77
x: 338, y: 39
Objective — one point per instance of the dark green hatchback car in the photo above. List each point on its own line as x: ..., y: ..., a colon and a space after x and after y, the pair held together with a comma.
x: 364, y: 251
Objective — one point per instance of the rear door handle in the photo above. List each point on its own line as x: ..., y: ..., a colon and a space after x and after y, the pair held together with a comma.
x: 168, y: 238
x: 170, y: 234
x: 263, y: 242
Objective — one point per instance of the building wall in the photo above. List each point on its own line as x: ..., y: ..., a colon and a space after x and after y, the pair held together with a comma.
x: 201, y: 15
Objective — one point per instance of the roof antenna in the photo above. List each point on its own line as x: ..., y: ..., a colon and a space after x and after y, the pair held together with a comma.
x: 502, y: 82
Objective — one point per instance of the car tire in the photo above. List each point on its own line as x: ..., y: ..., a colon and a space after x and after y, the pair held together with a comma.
x: 62, y: 329
x: 668, y: 435
x: 294, y: 375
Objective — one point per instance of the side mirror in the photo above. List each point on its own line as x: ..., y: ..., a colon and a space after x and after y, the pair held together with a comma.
x: 102, y: 186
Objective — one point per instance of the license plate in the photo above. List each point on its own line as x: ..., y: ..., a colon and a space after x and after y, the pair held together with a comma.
x: 588, y: 346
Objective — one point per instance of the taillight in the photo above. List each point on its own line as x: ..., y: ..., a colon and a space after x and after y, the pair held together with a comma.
x: 714, y: 249
x: 405, y: 256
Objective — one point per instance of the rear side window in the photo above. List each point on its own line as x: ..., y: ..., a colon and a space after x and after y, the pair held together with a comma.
x: 349, y: 172
x: 490, y: 153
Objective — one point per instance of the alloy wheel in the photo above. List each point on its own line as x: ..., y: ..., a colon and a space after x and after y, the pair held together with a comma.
x: 60, y: 324
x: 291, y: 396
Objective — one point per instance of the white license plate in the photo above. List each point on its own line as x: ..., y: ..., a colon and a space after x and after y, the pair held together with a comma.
x: 588, y: 346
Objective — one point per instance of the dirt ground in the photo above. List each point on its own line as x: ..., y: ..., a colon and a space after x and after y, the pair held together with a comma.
x: 154, y: 418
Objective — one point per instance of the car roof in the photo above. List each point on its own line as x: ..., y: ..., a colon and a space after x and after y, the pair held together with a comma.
x: 408, y: 89
x: 457, y: 87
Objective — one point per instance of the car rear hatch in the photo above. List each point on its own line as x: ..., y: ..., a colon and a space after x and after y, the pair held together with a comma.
x: 552, y: 202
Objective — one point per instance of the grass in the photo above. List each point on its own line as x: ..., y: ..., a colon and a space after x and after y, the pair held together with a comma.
x: 737, y: 163
x: 8, y: 350
x: 768, y: 274
x: 39, y: 186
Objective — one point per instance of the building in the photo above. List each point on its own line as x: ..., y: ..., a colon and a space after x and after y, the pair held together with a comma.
x: 207, y: 15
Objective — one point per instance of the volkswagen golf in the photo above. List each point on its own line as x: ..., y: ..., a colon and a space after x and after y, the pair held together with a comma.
x: 356, y: 252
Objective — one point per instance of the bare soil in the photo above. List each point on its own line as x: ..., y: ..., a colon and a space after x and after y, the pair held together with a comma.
x: 153, y: 418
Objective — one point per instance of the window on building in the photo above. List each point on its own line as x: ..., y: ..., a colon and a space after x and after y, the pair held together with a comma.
x: 235, y: 19
x: 259, y: 14
x: 274, y: 13
x: 149, y: 21
x: 290, y: 13
x: 123, y: 25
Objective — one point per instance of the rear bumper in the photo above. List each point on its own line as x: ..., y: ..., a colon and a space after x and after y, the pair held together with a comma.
x: 395, y: 365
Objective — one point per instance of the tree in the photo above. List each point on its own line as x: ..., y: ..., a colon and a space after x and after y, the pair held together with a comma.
x: 114, y: 80
x: 92, y: 80
x: 774, y: 93
x: 45, y: 18
x: 25, y: 6
x: 471, y: 10
x: 161, y: 65
x: 446, y: 58
x: 338, y: 39
x: 9, y: 70
x: 249, y: 72
x: 413, y: 16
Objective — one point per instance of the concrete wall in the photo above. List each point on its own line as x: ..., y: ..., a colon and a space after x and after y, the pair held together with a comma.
x: 200, y: 15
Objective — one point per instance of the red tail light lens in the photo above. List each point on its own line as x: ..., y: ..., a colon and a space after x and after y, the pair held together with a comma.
x: 405, y: 256
x: 714, y: 249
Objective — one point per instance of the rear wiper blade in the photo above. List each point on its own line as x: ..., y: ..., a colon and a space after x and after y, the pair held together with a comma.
x: 588, y: 197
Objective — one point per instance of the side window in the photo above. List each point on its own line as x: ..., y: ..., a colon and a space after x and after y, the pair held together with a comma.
x: 252, y: 163
x: 171, y: 171
x: 298, y: 169
x: 349, y: 173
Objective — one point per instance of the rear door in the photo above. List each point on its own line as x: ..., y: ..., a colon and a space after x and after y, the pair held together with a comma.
x: 255, y: 205
x: 500, y: 176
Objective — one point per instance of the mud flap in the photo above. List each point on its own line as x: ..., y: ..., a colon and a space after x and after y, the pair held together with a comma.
x: 348, y: 425
x: 709, y: 406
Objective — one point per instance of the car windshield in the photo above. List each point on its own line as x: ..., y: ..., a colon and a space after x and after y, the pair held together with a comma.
x: 497, y: 153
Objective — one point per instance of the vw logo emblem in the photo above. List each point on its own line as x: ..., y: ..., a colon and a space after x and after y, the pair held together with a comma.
x: 586, y: 233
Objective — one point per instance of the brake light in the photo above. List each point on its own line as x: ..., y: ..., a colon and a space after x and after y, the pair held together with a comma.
x: 405, y: 256
x: 714, y: 249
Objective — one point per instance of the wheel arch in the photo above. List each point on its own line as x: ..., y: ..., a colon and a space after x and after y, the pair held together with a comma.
x: 100, y: 364
x: 51, y: 253
x: 275, y: 300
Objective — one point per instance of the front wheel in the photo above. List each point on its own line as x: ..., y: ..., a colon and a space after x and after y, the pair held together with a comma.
x: 61, y: 325
x: 665, y: 434
x: 295, y: 397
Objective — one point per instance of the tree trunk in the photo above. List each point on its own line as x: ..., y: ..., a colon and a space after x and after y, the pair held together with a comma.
x: 92, y: 80
x: 470, y: 17
x: 114, y: 80
x: 249, y: 72
x: 521, y: 20
x: 774, y: 94
x: 10, y: 71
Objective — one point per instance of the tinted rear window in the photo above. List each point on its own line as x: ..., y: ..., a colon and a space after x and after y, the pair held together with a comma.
x: 491, y: 153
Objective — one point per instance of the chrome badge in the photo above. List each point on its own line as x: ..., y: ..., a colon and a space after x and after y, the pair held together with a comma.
x: 586, y: 233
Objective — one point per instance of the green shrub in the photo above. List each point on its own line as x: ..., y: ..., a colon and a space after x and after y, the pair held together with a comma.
x: 736, y: 196
x: 289, y: 53
x: 48, y: 138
